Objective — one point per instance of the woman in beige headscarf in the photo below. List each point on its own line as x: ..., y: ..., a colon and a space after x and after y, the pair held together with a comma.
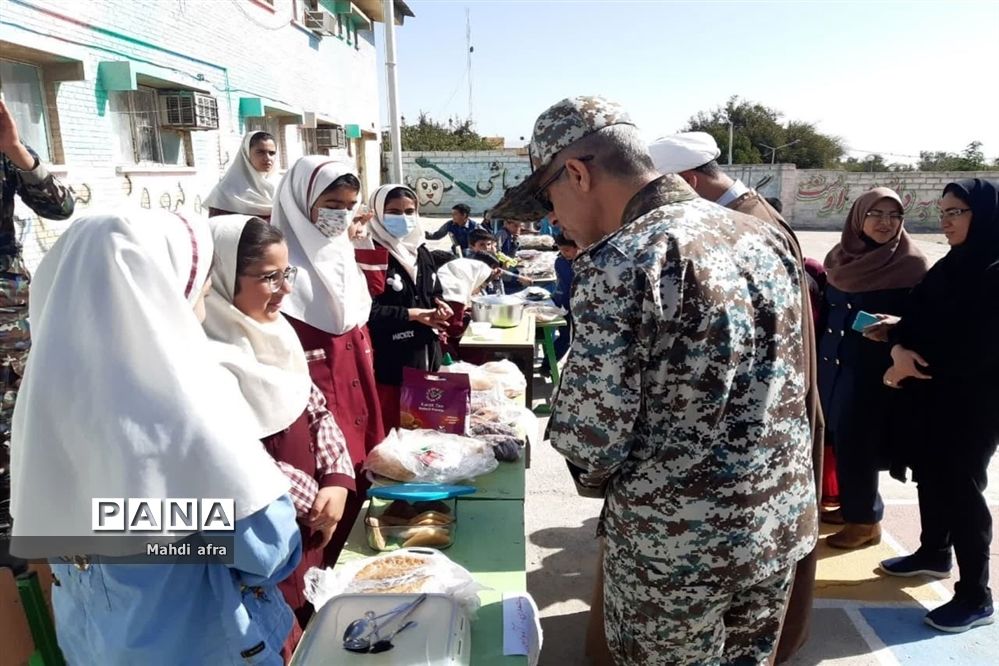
x: 872, y: 269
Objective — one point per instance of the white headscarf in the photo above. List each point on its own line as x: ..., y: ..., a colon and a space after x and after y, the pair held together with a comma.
x: 403, y: 249
x: 460, y: 278
x: 122, y: 396
x: 243, y: 189
x: 330, y: 291
x: 266, y: 358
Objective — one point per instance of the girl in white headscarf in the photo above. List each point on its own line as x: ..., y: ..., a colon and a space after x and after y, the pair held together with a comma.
x: 329, y: 307
x: 250, y: 278
x: 152, y: 416
x: 247, y: 188
x: 407, y: 316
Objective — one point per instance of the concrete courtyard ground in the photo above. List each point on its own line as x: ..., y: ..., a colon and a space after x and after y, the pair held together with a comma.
x: 861, y: 618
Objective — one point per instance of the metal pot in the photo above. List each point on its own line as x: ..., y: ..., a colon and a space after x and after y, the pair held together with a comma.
x: 500, y: 311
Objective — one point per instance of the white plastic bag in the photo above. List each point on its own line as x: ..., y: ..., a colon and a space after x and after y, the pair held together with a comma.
x: 404, y: 571
x: 427, y: 456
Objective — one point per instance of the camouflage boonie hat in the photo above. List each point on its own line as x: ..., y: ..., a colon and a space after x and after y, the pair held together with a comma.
x: 557, y: 128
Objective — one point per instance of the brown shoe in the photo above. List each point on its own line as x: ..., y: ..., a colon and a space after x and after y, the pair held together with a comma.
x: 832, y: 517
x: 855, y: 535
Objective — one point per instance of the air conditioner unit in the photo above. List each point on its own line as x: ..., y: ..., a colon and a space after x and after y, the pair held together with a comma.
x: 330, y: 137
x: 320, y: 22
x: 187, y: 109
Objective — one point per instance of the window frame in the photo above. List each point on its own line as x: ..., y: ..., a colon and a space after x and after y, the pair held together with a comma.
x: 50, y: 139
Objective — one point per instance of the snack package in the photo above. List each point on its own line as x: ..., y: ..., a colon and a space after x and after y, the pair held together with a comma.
x: 432, y: 401
x: 406, y: 571
x: 430, y: 457
x: 485, y: 378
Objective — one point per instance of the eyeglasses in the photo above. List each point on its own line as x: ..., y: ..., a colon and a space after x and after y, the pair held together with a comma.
x: 539, y: 194
x: 276, y: 279
x: 879, y: 215
x: 951, y: 213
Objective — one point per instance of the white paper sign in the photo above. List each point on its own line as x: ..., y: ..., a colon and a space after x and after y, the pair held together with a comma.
x: 521, y: 627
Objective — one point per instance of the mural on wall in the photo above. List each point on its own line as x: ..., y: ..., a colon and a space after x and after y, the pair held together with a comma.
x: 438, y: 187
x: 834, y: 195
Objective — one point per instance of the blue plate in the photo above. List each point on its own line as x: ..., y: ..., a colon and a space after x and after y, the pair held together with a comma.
x: 420, y: 492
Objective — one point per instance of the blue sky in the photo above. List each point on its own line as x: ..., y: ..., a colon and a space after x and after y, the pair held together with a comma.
x: 891, y: 77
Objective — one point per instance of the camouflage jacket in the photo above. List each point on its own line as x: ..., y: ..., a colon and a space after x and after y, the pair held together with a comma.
x: 685, y: 390
x: 38, y: 189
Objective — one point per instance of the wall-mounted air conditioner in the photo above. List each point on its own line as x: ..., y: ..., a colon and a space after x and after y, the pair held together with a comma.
x: 320, y: 22
x: 187, y: 109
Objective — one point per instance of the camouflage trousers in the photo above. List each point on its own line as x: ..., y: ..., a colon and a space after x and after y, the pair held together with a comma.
x: 15, y: 340
x: 692, y: 625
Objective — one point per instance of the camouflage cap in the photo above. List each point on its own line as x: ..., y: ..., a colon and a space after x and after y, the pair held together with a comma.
x: 568, y: 121
x: 557, y: 128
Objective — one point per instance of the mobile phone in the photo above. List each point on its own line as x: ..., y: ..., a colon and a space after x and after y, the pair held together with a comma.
x: 864, y: 320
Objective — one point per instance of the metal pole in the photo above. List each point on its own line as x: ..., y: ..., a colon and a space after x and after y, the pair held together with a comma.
x: 731, y: 132
x: 395, y: 132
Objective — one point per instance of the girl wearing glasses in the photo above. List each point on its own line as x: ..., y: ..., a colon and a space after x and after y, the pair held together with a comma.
x: 250, y: 279
x: 329, y: 308
x: 409, y: 310
x: 871, y: 269
x: 247, y: 188
x: 945, y: 353
x: 155, y: 416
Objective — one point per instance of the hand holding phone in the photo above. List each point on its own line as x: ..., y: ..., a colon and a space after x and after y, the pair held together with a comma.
x: 864, y: 320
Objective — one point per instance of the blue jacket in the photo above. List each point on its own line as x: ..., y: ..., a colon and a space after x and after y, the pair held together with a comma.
x: 458, y: 234
x: 165, y: 614
x: 564, y: 274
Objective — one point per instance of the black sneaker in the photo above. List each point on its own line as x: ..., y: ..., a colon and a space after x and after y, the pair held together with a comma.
x: 956, y: 616
x: 915, y: 565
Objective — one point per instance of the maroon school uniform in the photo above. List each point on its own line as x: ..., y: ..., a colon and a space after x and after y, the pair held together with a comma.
x: 342, y: 367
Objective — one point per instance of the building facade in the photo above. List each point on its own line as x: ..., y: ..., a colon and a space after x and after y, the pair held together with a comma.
x: 146, y: 102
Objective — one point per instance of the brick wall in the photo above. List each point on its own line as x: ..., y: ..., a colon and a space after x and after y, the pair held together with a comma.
x: 238, y: 49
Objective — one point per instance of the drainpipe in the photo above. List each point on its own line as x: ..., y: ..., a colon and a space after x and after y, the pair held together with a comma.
x: 395, y: 131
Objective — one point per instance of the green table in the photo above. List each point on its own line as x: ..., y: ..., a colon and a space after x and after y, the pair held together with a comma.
x: 506, y: 483
x: 551, y: 359
x: 490, y: 544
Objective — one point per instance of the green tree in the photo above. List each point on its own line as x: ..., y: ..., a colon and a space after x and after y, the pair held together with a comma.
x: 874, y: 162
x: 430, y: 135
x: 757, y: 126
x: 970, y: 159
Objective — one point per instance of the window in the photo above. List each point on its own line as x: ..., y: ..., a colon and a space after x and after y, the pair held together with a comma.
x: 136, y: 121
x: 22, y: 92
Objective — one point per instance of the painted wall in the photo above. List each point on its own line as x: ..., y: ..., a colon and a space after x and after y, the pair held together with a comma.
x: 479, y: 178
x: 236, y: 49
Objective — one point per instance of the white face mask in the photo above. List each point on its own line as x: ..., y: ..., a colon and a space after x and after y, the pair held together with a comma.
x: 333, y: 223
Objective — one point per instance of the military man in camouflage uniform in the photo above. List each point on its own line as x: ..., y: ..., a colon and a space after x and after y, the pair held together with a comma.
x: 683, y: 395
x: 21, y: 173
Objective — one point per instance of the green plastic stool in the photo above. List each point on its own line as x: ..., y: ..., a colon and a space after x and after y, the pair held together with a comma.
x: 47, y: 652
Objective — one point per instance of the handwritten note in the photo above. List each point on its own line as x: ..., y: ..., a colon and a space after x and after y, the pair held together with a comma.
x: 521, y: 626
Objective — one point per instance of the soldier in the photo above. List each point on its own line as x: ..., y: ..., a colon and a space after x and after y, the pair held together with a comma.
x: 693, y: 156
x: 683, y: 395
x: 21, y: 172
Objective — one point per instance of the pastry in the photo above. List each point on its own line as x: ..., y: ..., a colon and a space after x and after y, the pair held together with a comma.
x: 428, y: 536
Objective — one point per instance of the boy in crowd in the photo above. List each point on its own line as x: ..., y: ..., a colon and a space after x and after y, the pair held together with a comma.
x: 567, y: 251
x: 460, y: 226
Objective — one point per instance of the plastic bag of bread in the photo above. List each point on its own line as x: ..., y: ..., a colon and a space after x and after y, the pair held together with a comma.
x: 405, y: 571
x: 427, y: 456
x: 508, y: 376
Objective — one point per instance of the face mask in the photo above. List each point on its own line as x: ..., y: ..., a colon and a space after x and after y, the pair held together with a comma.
x: 333, y: 223
x: 399, y: 226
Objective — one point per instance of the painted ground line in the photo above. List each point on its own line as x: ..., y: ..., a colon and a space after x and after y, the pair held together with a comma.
x: 879, y: 650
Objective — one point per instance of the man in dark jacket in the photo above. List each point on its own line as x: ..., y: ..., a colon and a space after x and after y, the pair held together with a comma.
x: 23, y: 174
